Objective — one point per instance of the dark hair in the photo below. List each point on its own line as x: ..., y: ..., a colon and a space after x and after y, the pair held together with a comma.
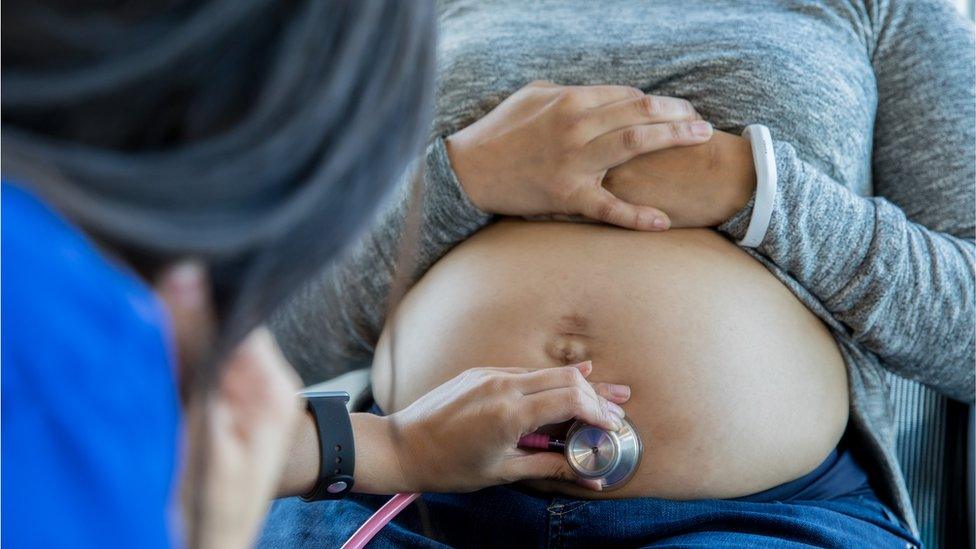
x: 255, y: 135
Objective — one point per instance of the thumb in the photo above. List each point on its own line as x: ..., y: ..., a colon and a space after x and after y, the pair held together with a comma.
x: 548, y: 466
x: 600, y: 204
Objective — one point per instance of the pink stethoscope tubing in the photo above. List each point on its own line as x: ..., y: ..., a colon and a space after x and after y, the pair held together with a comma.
x: 380, y: 518
x: 399, y: 502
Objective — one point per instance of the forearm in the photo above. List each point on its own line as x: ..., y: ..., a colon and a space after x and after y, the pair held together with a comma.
x: 378, y: 468
x: 337, y: 318
x: 904, y: 291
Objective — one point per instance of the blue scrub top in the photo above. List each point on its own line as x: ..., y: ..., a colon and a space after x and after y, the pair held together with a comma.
x: 90, y: 412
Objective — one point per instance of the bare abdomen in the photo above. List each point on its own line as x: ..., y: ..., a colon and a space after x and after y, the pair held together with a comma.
x: 737, y: 387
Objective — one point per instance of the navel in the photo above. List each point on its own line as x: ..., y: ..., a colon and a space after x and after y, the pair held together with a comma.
x: 568, y: 348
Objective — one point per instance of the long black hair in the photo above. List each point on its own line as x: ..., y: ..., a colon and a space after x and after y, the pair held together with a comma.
x: 257, y: 136
x: 254, y: 135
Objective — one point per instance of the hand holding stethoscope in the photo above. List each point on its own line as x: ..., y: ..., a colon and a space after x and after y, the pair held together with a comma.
x: 463, y: 435
x: 479, y: 428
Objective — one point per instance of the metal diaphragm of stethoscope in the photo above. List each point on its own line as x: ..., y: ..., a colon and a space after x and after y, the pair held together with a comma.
x: 611, y: 457
x: 594, y: 453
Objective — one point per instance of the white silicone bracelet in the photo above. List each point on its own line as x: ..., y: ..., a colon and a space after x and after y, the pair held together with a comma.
x: 765, y: 162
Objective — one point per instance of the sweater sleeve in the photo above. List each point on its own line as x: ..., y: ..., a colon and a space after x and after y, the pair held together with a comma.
x: 896, y: 269
x: 336, y: 319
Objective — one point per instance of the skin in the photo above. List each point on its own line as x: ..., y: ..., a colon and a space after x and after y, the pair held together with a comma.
x: 262, y: 444
x: 559, y: 143
x: 788, y: 403
x: 609, y: 153
x: 699, y: 186
x: 736, y: 386
x: 547, y: 148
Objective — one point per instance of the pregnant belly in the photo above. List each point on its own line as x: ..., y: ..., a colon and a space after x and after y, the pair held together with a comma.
x: 736, y: 386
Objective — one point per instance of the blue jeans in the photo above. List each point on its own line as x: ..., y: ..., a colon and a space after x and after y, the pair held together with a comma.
x: 507, y: 517
x: 832, y: 506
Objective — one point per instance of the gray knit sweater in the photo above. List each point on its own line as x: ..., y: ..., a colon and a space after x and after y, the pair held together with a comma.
x: 872, y: 110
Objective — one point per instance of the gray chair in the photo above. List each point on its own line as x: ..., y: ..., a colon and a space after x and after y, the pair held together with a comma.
x: 935, y: 449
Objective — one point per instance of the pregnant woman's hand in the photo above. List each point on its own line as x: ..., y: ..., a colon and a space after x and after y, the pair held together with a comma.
x: 546, y: 148
x: 700, y: 186
x: 462, y: 436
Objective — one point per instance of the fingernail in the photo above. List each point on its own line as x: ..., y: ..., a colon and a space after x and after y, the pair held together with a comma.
x: 620, y: 391
x: 589, y: 484
x: 700, y: 128
x: 660, y: 223
x: 584, y: 366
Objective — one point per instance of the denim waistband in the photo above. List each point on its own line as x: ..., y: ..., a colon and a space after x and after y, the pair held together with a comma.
x: 839, y: 475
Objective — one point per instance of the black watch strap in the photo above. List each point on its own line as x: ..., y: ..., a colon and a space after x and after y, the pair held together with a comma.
x: 337, y: 450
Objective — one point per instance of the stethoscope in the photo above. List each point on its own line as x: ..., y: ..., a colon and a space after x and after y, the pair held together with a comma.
x: 609, y: 457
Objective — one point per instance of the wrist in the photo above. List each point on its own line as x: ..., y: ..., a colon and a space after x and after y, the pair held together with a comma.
x: 379, y: 456
x: 301, y: 469
x: 456, y: 147
x: 738, y: 184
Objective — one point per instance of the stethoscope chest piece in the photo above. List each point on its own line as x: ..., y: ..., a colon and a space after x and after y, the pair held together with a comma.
x: 607, y: 456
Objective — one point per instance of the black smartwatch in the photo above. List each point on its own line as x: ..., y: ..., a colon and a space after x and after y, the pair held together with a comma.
x: 337, y: 450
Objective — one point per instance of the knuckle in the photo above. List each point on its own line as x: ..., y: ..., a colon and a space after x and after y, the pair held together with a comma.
x: 675, y: 130
x: 471, y: 375
x: 649, y: 106
x: 569, y: 98
x: 632, y: 139
x: 577, y: 397
x: 686, y: 106
x: 635, y: 93
x: 576, y: 378
x: 635, y: 217
x: 495, y: 384
x: 567, y: 375
x: 575, y: 123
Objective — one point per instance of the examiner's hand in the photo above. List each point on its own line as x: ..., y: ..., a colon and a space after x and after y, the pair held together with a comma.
x: 243, y: 428
x: 546, y: 148
x: 463, y: 435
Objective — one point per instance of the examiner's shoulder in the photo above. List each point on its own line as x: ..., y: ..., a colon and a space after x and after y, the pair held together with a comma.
x: 63, y: 300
